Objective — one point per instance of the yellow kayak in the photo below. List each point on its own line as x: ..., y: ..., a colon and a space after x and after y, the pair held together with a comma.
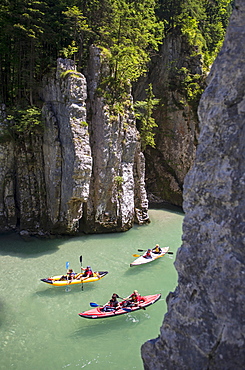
x: 61, y: 280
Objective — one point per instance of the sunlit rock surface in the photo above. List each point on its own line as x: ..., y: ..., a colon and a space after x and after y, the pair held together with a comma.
x: 204, y: 327
x: 117, y: 194
x: 67, y: 154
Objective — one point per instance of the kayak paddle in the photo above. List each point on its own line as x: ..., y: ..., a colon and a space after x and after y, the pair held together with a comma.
x: 144, y: 250
x: 67, y: 267
x: 120, y: 297
x: 92, y: 304
x: 81, y: 261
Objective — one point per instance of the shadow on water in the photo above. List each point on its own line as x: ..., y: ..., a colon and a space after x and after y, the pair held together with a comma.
x: 166, y: 207
x: 134, y: 270
x: 2, y: 312
x: 57, y: 291
x: 12, y: 244
x: 98, y: 327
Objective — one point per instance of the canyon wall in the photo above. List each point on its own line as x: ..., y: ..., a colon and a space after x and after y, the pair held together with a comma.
x: 204, y: 327
x: 176, y: 135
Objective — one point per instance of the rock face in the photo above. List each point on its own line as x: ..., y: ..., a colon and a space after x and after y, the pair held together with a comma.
x: 66, y: 148
x: 176, y: 136
x: 22, y: 195
x: 204, y: 327
x: 8, y: 216
x: 81, y: 174
x: 117, y: 193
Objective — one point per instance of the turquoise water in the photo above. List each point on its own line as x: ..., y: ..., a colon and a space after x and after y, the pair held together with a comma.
x: 39, y: 324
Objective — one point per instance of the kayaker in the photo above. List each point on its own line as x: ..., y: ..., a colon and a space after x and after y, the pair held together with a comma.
x: 87, y: 272
x: 134, y: 299
x: 157, y: 249
x: 70, y: 274
x: 147, y: 254
x: 112, y: 305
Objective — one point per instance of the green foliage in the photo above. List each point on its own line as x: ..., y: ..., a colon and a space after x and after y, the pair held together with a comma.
x: 79, y: 31
x: 203, y: 22
x: 70, y: 73
x: 143, y: 112
x: 193, y: 86
x: 70, y: 51
x: 22, y: 122
x: 118, y: 181
x: 37, y: 32
x: 133, y: 30
x: 127, y: 37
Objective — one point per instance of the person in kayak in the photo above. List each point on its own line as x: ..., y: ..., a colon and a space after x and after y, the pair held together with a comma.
x: 157, y: 249
x: 133, y: 300
x: 112, y: 305
x: 70, y: 275
x: 147, y: 254
x: 87, y: 272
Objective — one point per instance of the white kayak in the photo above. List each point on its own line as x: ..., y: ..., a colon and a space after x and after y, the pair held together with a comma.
x: 154, y: 256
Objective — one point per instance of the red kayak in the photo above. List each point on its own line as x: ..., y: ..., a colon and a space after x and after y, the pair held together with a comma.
x: 98, y: 313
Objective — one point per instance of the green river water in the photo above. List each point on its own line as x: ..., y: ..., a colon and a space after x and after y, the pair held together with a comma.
x: 39, y: 324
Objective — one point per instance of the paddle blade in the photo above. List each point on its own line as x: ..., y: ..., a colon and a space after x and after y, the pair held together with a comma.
x: 136, y: 255
x: 67, y: 265
x: 81, y: 259
x: 170, y: 252
x: 141, y: 250
x: 92, y: 304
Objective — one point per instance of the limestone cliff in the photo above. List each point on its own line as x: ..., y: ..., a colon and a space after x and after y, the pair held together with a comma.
x: 22, y: 194
x: 204, y: 327
x: 81, y: 174
x: 66, y: 148
x: 117, y: 193
x: 177, y: 132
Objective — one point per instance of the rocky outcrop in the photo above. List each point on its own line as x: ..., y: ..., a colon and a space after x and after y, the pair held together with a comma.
x: 66, y: 147
x: 84, y: 173
x: 22, y: 195
x: 117, y: 195
x: 176, y: 136
x: 8, y: 216
x: 204, y: 326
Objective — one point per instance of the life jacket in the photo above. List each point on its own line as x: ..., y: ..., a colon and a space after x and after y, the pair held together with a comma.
x: 70, y: 275
x: 148, y: 254
x: 113, y: 303
x: 88, y: 272
x: 135, y: 298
